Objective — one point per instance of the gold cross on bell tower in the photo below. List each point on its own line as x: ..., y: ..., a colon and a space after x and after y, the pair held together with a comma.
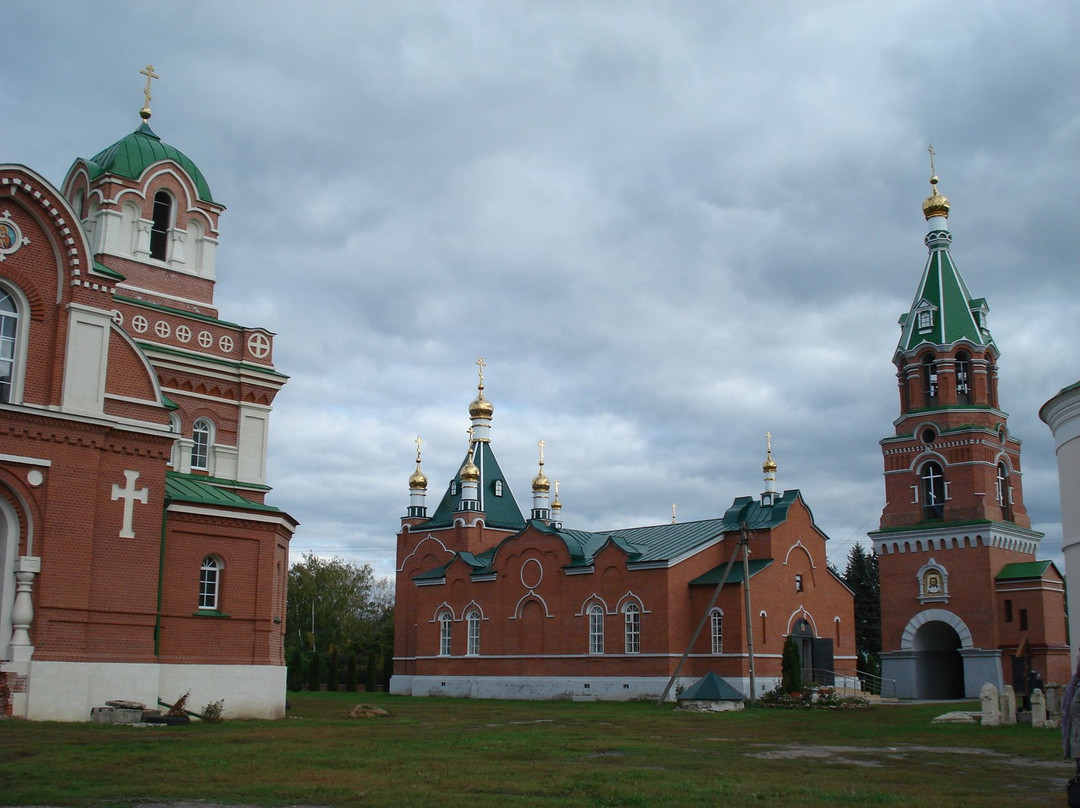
x: 148, y: 71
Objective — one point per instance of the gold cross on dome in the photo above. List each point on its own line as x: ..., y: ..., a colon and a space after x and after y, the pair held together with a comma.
x: 541, y: 444
x: 930, y: 149
x: 481, y: 365
x: 768, y: 442
x: 419, y: 442
x: 148, y: 71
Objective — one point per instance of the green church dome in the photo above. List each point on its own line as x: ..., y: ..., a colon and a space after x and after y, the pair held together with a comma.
x: 130, y: 156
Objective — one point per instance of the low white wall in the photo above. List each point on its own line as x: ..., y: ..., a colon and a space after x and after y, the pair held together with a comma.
x: 613, y: 688
x: 67, y: 691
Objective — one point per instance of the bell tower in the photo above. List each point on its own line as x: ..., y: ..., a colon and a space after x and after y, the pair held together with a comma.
x: 954, y: 526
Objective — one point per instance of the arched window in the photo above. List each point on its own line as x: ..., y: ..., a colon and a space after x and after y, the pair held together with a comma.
x: 632, y: 635
x: 445, y: 633
x: 210, y: 583
x: 1004, y: 492
x: 963, y: 378
x: 596, y: 629
x: 472, y: 621
x: 933, y: 490
x: 9, y: 331
x: 202, y: 435
x: 716, y: 626
x: 162, y: 222
x: 929, y: 371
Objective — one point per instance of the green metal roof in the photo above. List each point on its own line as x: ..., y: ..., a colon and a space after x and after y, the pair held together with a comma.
x: 713, y: 576
x: 1022, y: 569
x: 101, y: 269
x: 196, y: 488
x: 943, y: 293
x: 666, y: 542
x: 132, y: 155
x: 499, y: 511
x: 710, y: 687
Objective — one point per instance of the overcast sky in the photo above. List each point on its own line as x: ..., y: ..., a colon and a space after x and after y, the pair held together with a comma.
x: 668, y: 228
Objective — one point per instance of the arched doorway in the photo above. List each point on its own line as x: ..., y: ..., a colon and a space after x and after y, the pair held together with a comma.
x: 939, y: 666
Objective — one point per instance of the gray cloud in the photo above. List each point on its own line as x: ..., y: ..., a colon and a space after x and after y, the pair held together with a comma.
x: 667, y: 229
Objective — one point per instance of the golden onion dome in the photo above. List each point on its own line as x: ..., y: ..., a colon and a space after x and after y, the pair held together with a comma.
x: 481, y: 407
x: 469, y: 472
x: 935, y: 204
x: 541, y: 482
x: 417, y: 480
x: 769, y: 465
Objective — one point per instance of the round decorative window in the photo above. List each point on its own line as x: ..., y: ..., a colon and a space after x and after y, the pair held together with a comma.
x: 183, y: 333
x: 259, y: 345
x: 929, y: 435
x: 206, y: 339
x: 162, y: 329
x: 138, y: 322
x: 118, y: 317
x: 226, y: 344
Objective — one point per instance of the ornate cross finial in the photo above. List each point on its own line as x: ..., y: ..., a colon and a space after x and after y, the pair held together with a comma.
x: 481, y: 365
x: 768, y: 441
x: 419, y: 442
x: 150, y: 74
x: 672, y: 513
x: 930, y: 149
x: 556, y: 489
x: 541, y: 444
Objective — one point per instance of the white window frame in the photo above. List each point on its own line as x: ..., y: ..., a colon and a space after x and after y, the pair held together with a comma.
x: 446, y: 633
x: 202, y: 440
x: 210, y: 583
x: 15, y: 342
x: 632, y: 629
x: 596, y: 629
x: 716, y: 628
x: 472, y: 624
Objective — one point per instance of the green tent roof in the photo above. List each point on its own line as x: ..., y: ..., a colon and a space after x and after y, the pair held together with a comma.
x: 132, y: 155
x: 500, y: 511
x: 943, y: 311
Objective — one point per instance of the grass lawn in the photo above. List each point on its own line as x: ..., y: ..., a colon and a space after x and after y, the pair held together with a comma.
x: 451, y: 752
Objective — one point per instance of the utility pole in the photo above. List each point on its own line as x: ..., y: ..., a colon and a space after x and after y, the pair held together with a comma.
x: 743, y: 543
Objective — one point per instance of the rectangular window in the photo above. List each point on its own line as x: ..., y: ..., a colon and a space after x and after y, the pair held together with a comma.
x: 1008, y: 611
x: 798, y: 583
x: 1023, y: 619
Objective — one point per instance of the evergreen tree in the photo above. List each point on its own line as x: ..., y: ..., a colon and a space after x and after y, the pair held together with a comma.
x: 791, y: 667
x: 350, y: 673
x: 861, y: 576
x: 332, y: 672
x: 295, y: 673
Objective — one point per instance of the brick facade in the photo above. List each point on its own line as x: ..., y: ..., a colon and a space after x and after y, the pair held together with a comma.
x: 104, y: 524
x: 491, y: 604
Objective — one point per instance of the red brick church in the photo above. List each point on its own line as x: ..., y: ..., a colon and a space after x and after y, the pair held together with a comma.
x: 964, y: 599
x: 138, y: 557
x: 492, y: 604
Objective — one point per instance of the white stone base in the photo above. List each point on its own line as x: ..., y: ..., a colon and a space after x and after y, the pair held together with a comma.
x: 578, y: 688
x: 67, y: 691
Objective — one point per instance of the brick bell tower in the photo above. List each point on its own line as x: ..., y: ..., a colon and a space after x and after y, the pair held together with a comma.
x: 963, y: 600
